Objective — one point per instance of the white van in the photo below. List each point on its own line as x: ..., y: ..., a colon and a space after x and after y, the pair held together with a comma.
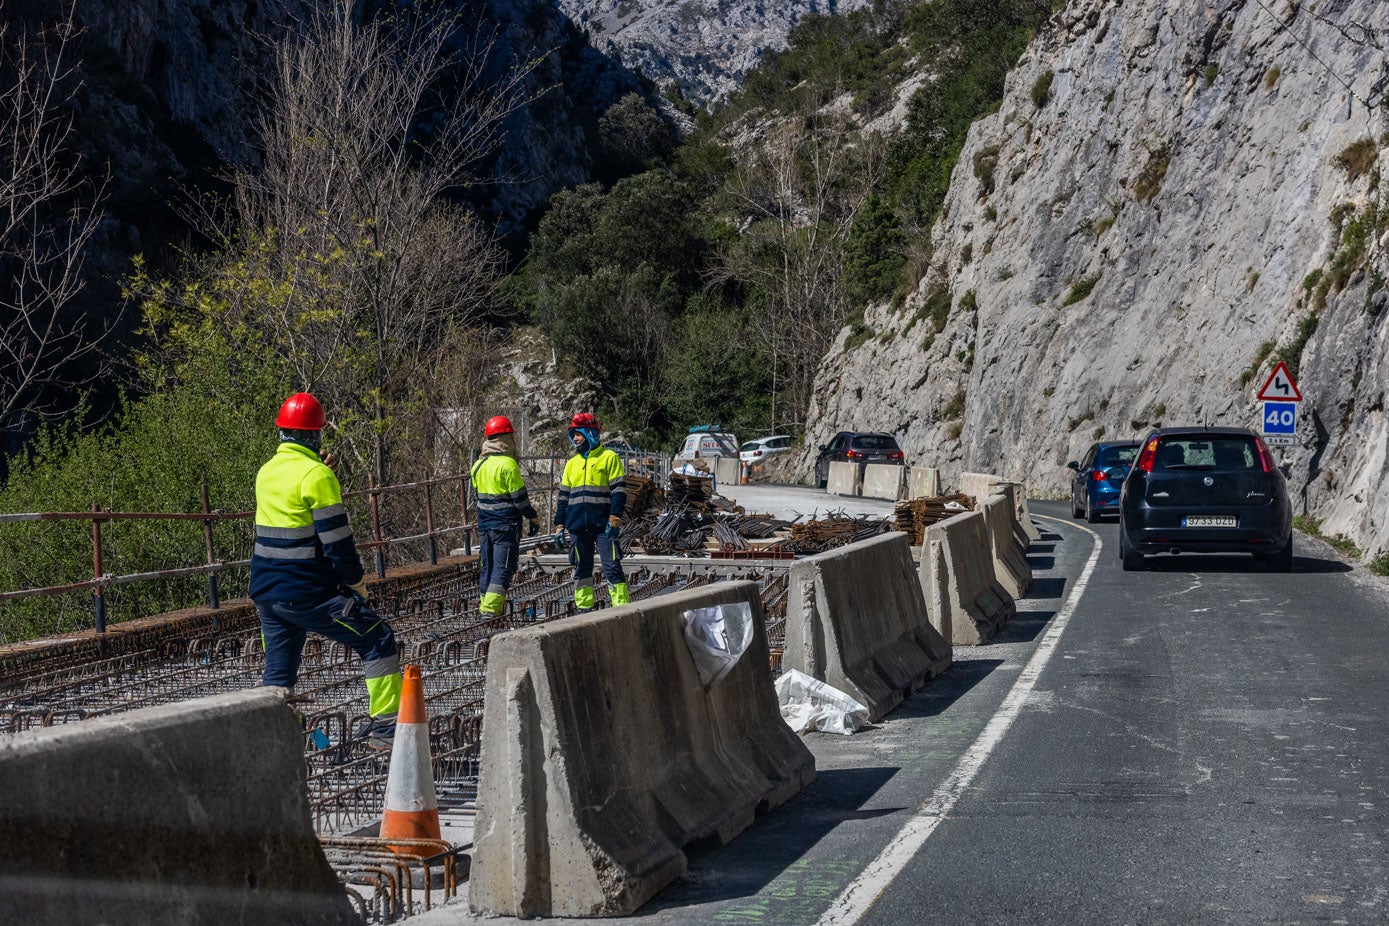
x: 701, y: 444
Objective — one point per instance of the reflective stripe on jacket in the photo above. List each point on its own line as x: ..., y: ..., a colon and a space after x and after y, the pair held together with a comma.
x: 502, y: 500
x: 591, y: 490
x: 304, y: 548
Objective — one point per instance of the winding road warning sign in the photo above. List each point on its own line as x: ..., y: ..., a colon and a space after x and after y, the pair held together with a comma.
x: 1281, y: 387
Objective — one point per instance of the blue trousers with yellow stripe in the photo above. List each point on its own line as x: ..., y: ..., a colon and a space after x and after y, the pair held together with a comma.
x: 497, y: 552
x: 285, y: 624
x: 610, y: 555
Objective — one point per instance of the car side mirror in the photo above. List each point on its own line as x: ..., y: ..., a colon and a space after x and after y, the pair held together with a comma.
x: 822, y: 446
x: 1073, y: 465
x: 1286, y: 471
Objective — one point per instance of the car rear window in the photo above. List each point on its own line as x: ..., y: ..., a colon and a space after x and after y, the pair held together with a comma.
x: 1219, y: 454
x: 874, y: 442
x: 750, y: 446
x: 1116, y: 456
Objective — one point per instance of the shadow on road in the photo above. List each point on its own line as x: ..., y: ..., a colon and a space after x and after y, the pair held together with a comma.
x: 1040, y: 562
x: 1041, y: 548
x: 1024, y: 628
x: 777, y: 841
x: 1214, y: 563
x: 945, y: 690
x: 1047, y: 588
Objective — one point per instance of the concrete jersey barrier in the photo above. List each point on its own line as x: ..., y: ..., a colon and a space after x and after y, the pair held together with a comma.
x: 187, y: 813
x: 1010, y: 560
x: 981, y: 484
x: 884, y: 480
x: 844, y: 478
x: 855, y: 618
x: 966, y: 603
x: 728, y: 471
x: 603, y: 756
x: 924, y: 482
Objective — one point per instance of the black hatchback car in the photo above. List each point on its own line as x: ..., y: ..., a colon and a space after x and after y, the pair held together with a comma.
x: 856, y: 447
x: 1205, y: 490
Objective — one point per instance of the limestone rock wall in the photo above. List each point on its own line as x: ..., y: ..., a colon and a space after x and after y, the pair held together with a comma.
x: 1131, y: 246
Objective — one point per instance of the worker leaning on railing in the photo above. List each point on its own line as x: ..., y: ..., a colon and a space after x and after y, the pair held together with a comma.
x: 592, y: 497
x: 502, y: 502
x: 306, y: 574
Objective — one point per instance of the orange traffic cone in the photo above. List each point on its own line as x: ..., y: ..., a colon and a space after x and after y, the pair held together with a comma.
x: 412, y: 811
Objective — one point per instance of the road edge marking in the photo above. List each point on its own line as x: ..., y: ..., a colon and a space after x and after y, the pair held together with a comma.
x: 861, y: 893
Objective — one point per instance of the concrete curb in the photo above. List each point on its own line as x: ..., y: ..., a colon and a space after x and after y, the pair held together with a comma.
x: 966, y: 603
x: 856, y: 619
x: 603, y: 756
x: 195, y: 812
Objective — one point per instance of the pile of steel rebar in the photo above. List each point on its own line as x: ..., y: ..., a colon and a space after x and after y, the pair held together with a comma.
x: 914, y: 516
x: 836, y: 529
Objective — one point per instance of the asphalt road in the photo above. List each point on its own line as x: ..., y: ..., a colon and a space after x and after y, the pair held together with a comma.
x: 1202, y: 742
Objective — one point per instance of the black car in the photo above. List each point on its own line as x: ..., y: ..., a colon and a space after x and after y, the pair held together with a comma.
x: 1099, y: 476
x: 1205, y: 490
x: 856, y: 447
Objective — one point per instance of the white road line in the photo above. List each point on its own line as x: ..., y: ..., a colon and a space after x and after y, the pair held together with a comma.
x: 865, y: 890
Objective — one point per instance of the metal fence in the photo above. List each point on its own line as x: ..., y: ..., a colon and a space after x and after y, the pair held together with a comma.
x: 419, y: 524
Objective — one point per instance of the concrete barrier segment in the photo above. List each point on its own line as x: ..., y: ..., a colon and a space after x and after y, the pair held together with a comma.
x: 856, y: 619
x: 603, y: 756
x: 1009, y: 556
x: 844, y: 479
x: 923, y: 482
x: 727, y: 471
x: 189, y: 813
x: 883, y: 480
x: 981, y: 484
x: 964, y: 598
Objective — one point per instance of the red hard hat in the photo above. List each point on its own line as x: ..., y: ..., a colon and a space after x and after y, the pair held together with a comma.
x: 498, y: 426
x: 584, y: 420
x: 301, y: 412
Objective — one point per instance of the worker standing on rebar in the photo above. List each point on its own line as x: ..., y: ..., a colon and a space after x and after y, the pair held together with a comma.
x: 592, y: 499
x: 306, y: 574
x: 502, y: 502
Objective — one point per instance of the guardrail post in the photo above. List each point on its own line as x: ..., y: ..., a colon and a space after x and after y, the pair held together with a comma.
x: 467, y: 485
x: 212, y: 598
x: 429, y: 521
x: 376, y: 531
x: 98, y: 592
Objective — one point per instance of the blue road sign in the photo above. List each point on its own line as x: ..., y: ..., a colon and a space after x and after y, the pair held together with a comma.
x: 1280, y: 417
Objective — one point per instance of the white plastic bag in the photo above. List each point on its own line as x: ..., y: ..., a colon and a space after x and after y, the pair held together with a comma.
x: 717, y: 637
x: 808, y: 704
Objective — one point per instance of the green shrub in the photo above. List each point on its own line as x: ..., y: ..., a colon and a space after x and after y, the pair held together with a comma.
x: 985, y: 163
x: 1271, y: 77
x: 1080, y: 289
x: 1149, y: 182
x: 955, y: 408
x: 1041, y: 90
x: 1380, y: 564
x: 1358, y: 158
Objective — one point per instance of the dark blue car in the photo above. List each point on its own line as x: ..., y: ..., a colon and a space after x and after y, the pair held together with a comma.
x: 1099, y: 477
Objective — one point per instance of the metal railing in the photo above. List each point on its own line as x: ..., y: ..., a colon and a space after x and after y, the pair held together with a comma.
x: 378, y: 542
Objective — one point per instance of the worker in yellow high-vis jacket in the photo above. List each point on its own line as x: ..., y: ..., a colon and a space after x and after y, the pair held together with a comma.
x: 306, y: 574
x: 592, y: 499
x: 502, y: 502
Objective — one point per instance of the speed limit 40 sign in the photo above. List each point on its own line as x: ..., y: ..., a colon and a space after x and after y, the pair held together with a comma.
x: 1280, y: 422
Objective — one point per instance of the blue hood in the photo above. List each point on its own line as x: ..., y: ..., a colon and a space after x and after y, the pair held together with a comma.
x: 592, y: 440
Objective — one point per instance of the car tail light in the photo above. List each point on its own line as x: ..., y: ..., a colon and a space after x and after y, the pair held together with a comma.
x: 1148, y: 457
x: 1100, y: 476
x: 1265, y: 458
x: 854, y: 455
x: 757, y: 453
x: 895, y: 456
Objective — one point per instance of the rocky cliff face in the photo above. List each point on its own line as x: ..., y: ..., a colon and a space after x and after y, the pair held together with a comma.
x: 1171, y: 196
x: 701, y: 46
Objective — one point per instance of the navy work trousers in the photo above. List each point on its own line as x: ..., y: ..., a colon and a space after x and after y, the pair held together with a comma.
x: 285, y: 624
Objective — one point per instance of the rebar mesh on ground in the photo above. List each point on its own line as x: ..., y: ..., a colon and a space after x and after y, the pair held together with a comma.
x: 437, y: 625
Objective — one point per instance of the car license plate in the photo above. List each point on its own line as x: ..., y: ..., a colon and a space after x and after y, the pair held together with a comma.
x: 1210, y: 520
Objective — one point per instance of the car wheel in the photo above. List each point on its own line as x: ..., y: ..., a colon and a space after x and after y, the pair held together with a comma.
x: 1076, y: 511
x: 1091, y: 514
x: 1132, y: 559
x: 1282, y: 561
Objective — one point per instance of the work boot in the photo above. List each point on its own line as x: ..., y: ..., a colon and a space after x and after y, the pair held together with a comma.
x: 378, y: 732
